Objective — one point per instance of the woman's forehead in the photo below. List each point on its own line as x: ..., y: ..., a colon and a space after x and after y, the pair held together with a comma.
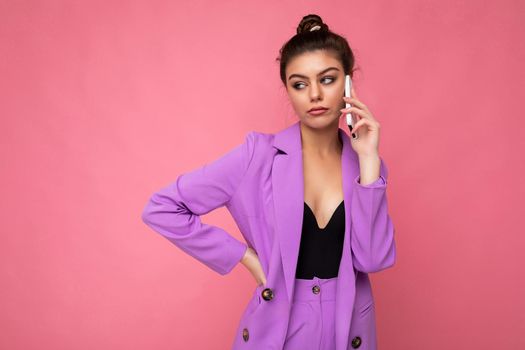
x: 312, y: 63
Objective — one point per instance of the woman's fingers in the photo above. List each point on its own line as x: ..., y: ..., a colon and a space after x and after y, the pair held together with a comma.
x: 364, y: 121
x: 357, y: 125
x: 364, y: 113
x: 356, y: 110
x: 356, y: 102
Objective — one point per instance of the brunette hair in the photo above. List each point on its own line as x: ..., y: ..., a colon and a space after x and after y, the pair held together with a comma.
x: 313, y: 34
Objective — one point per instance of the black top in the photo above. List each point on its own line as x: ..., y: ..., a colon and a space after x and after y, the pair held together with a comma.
x: 321, y: 249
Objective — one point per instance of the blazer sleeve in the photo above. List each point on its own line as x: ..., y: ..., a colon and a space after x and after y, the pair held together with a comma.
x: 174, y: 211
x: 372, y: 238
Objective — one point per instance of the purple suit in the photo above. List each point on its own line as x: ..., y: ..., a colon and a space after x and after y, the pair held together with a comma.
x: 261, y: 183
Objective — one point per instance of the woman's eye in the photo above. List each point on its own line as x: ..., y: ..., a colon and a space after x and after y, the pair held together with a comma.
x: 297, y: 85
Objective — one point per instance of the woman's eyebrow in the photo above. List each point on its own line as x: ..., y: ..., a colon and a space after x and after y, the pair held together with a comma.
x: 305, y: 77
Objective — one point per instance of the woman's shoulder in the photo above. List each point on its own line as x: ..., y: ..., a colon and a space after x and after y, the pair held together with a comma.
x: 261, y: 141
x: 263, y: 136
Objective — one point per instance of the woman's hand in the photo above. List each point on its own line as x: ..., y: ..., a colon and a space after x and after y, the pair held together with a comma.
x: 367, y: 142
x: 251, y: 261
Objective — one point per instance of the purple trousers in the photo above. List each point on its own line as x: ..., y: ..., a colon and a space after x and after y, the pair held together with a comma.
x: 312, y: 318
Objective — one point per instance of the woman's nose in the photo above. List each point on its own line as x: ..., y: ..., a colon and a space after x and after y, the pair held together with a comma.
x: 315, y: 93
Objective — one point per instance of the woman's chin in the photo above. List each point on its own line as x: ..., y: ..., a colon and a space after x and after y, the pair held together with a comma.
x: 319, y: 122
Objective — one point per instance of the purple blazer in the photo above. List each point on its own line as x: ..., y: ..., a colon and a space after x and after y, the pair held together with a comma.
x: 261, y: 183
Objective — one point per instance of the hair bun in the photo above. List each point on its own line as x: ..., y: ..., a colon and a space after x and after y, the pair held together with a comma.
x: 311, y: 23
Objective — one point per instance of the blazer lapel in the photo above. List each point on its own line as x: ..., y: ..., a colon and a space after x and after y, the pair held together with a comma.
x: 345, y: 291
x: 288, y: 196
x: 288, y: 193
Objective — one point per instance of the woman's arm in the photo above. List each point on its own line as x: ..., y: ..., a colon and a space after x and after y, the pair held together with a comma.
x: 251, y: 261
x: 174, y: 211
x: 373, y: 244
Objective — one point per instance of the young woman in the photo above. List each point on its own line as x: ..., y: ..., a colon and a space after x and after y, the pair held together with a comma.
x: 310, y: 202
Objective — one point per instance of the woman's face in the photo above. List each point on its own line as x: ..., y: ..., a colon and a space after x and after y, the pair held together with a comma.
x: 316, y: 79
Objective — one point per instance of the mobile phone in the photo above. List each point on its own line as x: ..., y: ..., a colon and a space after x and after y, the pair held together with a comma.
x: 349, y: 121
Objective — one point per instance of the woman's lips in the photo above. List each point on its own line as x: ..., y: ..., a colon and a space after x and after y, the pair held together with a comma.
x: 318, y: 111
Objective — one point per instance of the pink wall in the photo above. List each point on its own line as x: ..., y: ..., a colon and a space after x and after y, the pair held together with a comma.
x: 104, y: 102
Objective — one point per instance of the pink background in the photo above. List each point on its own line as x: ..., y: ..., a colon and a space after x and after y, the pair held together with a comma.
x: 104, y: 102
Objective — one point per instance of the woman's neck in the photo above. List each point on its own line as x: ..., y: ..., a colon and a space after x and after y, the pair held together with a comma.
x: 321, y: 142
